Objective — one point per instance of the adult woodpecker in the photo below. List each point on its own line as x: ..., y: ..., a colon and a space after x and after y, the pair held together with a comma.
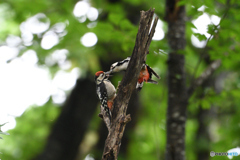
x: 144, y: 76
x: 105, y: 90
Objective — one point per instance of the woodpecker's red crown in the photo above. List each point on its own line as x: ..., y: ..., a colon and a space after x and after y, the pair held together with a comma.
x: 98, y: 73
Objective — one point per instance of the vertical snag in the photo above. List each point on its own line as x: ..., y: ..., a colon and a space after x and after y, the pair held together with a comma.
x: 127, y: 86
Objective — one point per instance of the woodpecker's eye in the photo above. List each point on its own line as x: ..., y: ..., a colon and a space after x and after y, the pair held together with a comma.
x: 102, y: 75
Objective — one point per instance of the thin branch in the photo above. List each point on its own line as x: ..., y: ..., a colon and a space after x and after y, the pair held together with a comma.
x: 127, y: 86
x: 205, y: 75
x: 211, y: 36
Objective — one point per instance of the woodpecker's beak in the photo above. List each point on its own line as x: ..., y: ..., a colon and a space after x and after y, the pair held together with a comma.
x: 108, y: 74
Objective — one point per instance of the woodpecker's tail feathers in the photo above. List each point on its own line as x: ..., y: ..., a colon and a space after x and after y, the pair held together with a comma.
x: 156, y: 74
x: 151, y: 71
x: 152, y: 81
x: 108, y: 112
x: 110, y: 116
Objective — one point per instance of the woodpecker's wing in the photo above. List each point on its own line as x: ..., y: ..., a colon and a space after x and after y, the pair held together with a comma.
x: 151, y: 71
x: 152, y: 81
x: 103, y: 97
x: 123, y: 64
x: 120, y: 66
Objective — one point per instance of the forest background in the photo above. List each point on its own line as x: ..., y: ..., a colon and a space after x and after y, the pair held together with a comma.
x: 50, y: 50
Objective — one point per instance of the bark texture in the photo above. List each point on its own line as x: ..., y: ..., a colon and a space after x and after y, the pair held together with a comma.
x: 176, y: 112
x: 134, y: 108
x: 177, y: 92
x: 127, y: 86
x: 70, y: 127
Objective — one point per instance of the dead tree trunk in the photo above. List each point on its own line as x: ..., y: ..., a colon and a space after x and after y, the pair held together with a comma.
x: 127, y: 86
x: 135, y: 107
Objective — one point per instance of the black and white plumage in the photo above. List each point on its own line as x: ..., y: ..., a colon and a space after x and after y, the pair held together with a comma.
x: 120, y: 66
x: 105, y: 90
x: 144, y: 76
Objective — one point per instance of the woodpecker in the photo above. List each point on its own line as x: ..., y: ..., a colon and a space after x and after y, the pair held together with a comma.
x: 105, y: 90
x: 144, y: 76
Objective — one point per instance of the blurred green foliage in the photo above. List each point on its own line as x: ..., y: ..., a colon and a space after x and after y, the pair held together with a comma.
x: 28, y: 137
x: 116, y: 29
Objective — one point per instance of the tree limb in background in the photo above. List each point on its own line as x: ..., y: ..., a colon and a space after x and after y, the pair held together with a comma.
x: 177, y: 91
x: 213, y: 33
x: 204, y: 76
x: 69, y: 129
x: 127, y: 86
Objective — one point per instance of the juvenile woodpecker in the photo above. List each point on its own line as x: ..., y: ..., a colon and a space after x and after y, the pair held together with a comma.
x: 144, y: 76
x: 105, y: 90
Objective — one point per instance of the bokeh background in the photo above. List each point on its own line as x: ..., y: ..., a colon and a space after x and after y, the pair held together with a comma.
x: 50, y: 50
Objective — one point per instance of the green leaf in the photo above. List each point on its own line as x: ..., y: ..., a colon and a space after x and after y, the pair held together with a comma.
x: 191, y: 25
x: 211, y: 28
x: 200, y: 37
